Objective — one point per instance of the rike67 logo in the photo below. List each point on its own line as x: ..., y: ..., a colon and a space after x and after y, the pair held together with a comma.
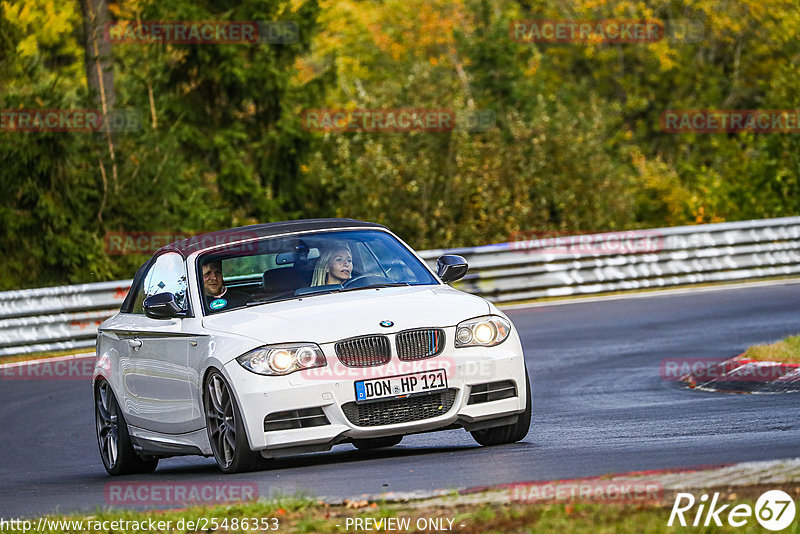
x: 774, y: 510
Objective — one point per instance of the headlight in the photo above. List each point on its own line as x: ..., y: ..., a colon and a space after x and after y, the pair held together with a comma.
x: 486, y: 331
x: 283, y: 359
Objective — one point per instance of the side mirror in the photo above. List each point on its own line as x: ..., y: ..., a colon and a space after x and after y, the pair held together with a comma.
x: 451, y: 268
x: 161, y: 306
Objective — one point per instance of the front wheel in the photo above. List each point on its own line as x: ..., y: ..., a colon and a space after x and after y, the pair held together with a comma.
x: 225, y: 426
x: 116, y: 450
x: 509, y: 433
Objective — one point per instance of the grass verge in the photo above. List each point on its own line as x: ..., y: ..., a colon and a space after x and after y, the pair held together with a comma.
x: 44, y: 355
x: 290, y: 515
x: 785, y: 351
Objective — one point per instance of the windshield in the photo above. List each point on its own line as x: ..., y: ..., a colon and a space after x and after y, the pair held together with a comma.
x: 282, y: 268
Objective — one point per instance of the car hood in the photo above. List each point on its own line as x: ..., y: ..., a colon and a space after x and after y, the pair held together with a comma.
x: 328, y: 318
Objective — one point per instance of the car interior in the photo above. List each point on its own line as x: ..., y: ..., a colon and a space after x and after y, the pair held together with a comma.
x: 292, y: 271
x: 284, y: 268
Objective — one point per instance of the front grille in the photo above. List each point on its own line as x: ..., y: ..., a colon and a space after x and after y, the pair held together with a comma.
x: 365, y: 351
x: 394, y: 411
x: 290, y: 419
x: 492, y: 391
x: 419, y: 344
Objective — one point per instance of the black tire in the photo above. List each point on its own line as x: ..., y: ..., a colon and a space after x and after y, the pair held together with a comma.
x: 113, y: 439
x: 510, y: 433
x: 376, y: 443
x: 225, y: 427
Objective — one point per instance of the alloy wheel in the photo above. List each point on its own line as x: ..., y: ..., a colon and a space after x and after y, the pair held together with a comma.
x: 221, y: 420
x: 107, y: 424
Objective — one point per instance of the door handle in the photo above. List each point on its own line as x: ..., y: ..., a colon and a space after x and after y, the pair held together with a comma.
x: 135, y: 343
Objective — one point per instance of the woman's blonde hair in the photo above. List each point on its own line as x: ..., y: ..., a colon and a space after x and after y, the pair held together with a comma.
x: 320, y: 277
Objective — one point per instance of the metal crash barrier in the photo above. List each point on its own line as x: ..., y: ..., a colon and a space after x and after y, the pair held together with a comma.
x: 57, y: 318
x: 630, y: 260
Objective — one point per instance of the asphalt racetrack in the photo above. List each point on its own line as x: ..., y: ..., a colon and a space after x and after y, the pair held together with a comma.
x: 600, y: 406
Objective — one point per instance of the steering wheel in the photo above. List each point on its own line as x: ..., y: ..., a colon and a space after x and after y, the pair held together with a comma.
x: 352, y: 281
x: 397, y: 271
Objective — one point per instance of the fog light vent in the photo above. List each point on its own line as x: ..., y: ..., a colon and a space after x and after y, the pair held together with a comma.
x: 290, y: 419
x: 492, y: 391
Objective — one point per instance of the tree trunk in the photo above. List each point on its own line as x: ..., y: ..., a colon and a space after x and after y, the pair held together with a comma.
x: 99, y: 71
x: 100, y: 80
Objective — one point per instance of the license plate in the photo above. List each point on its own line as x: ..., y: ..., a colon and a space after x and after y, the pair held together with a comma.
x: 400, y: 386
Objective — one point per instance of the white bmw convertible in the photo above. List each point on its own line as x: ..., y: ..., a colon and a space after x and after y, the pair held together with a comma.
x: 283, y: 338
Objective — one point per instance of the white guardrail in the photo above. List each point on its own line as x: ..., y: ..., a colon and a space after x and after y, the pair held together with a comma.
x: 66, y: 317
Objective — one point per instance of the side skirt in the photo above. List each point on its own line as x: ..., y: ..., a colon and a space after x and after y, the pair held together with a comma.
x: 149, y: 443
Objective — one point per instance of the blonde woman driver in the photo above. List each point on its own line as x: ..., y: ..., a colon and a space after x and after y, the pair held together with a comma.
x: 334, y: 266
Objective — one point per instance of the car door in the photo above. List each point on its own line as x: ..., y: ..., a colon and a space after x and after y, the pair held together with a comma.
x: 157, y: 380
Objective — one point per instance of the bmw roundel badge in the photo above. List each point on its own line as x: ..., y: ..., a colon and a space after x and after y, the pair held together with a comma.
x: 386, y: 324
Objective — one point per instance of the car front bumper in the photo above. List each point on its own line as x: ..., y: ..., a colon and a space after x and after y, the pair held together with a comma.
x: 330, y: 391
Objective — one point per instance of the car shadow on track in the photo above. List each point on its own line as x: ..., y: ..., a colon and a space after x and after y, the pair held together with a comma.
x: 333, y: 457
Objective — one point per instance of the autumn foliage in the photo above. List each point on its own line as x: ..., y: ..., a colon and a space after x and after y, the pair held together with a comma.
x: 563, y: 137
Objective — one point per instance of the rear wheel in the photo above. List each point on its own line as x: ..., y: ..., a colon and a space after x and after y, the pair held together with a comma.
x: 376, y: 443
x: 226, y: 430
x: 116, y: 450
x: 509, y: 433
